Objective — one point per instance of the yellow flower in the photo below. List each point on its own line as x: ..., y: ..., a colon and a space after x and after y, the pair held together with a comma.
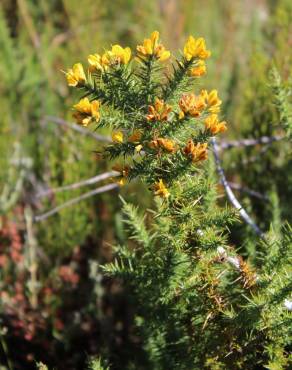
x: 212, y: 100
x: 196, y: 48
x: 86, y: 111
x: 213, y: 125
x: 181, y: 115
x: 76, y: 75
x: 160, y: 189
x: 138, y: 148
x: 117, y: 136
x: 191, y: 105
x: 119, y: 55
x: 159, y: 111
x: 199, y: 70
x: 165, y: 144
x: 152, y: 47
x: 197, y: 152
x: 98, y: 62
x: 135, y: 136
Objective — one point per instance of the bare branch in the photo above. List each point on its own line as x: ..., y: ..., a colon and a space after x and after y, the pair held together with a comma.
x: 32, y: 257
x: 70, y: 202
x: 251, y: 192
x: 80, y: 129
x: 76, y: 185
x: 249, y: 142
x: 230, y: 193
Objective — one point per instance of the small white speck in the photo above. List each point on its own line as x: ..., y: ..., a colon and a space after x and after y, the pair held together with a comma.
x: 222, y: 252
x: 288, y: 304
x: 234, y: 261
x: 200, y: 232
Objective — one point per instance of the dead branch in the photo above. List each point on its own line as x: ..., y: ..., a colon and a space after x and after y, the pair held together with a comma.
x: 230, y: 193
x: 72, y: 201
x: 76, y: 185
x: 61, y: 122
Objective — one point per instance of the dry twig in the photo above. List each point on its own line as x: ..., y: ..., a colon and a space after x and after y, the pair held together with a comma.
x: 77, y: 128
x: 230, y: 193
x: 70, y: 202
x: 248, y: 191
x: 248, y: 142
x: 76, y: 185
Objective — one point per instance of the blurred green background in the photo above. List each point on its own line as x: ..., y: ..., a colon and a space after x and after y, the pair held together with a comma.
x: 54, y: 305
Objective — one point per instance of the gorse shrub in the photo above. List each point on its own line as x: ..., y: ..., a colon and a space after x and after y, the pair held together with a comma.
x: 152, y: 113
x: 198, y: 303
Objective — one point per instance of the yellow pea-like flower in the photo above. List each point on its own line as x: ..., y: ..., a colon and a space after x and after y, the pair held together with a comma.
x: 199, y: 70
x: 160, y: 189
x: 97, y: 62
x: 86, y: 111
x: 214, y: 102
x: 159, y: 111
x: 192, y: 105
x: 166, y: 144
x: 197, y: 152
x: 122, y: 55
x: 213, y: 125
x: 196, y: 48
x: 117, y: 55
x: 151, y: 47
x: 76, y: 76
x: 213, y: 97
x: 117, y: 136
x: 138, y: 148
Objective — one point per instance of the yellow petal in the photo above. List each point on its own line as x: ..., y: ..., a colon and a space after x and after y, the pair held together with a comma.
x: 127, y: 55
x: 117, y: 137
x: 148, y: 46
x: 86, y: 121
x: 164, y: 56
x: 70, y: 78
x: 138, y: 148
x: 79, y: 72
x: 83, y: 106
x: 154, y: 37
x: 181, y: 115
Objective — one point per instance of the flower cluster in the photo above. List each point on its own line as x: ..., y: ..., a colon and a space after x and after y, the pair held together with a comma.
x: 151, y: 47
x: 149, y: 117
x: 196, y: 48
x: 116, y: 56
x: 191, y: 105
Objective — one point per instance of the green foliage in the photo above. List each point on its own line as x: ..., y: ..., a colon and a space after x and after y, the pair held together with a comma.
x: 97, y: 364
x: 199, y: 303
x: 282, y: 101
x: 41, y: 366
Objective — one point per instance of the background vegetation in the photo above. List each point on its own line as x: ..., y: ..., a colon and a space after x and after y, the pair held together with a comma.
x: 55, y: 306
